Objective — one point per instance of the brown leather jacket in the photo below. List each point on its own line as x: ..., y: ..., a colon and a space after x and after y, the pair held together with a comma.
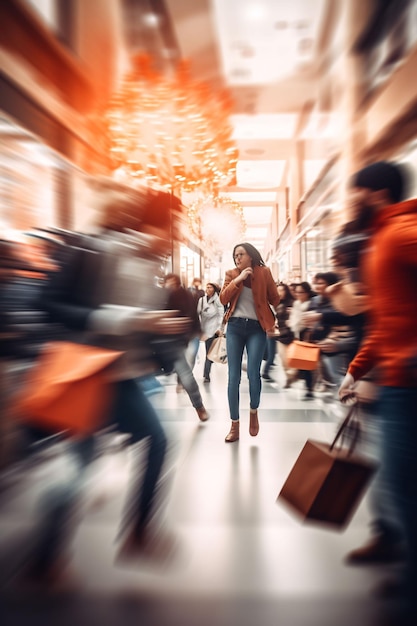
x: 264, y: 291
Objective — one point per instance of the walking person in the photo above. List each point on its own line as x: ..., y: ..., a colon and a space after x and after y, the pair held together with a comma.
x: 286, y: 335
x: 389, y: 270
x: 97, y: 296
x: 303, y: 296
x: 193, y: 345
x: 249, y: 289
x: 180, y: 299
x: 211, y: 312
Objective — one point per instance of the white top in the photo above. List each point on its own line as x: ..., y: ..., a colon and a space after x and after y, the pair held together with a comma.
x: 294, y: 322
x: 211, y: 312
x: 245, y: 306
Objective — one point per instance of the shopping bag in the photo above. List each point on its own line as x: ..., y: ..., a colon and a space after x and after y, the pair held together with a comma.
x: 302, y: 355
x: 68, y: 388
x: 326, y: 482
x: 218, y: 352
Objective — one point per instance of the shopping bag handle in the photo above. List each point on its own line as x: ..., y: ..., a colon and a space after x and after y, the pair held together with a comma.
x: 342, y: 428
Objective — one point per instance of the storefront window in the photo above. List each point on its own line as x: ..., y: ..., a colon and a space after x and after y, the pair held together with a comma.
x: 190, y: 265
x: 31, y: 182
x: 316, y: 247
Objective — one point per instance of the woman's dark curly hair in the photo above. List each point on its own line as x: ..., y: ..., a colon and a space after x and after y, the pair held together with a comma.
x: 254, y: 254
x: 288, y: 298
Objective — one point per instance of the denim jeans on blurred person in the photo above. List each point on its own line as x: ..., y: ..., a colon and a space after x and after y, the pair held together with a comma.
x: 132, y: 413
x: 192, y: 351
x: 271, y: 346
x: 243, y: 333
x: 187, y: 380
x: 397, y: 409
x: 384, y: 521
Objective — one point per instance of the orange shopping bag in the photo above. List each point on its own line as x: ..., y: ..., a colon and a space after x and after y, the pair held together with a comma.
x: 68, y: 388
x: 302, y: 355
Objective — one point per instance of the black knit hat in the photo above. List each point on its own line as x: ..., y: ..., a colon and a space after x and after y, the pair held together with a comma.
x: 382, y: 175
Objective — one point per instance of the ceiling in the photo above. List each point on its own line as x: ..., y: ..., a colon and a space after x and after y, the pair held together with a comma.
x: 269, y: 54
x: 266, y: 52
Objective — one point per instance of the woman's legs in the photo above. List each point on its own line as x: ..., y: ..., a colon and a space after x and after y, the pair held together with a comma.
x: 255, y: 346
x: 187, y: 380
x: 136, y: 415
x: 235, y: 344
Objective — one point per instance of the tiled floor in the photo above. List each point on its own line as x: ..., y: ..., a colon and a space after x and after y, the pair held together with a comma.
x: 242, y: 559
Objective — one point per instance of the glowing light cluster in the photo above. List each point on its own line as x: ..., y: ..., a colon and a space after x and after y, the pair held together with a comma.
x: 217, y: 220
x: 170, y: 130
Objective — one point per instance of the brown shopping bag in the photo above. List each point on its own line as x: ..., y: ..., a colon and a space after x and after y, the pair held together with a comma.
x: 68, y: 388
x: 326, y: 483
x: 302, y: 355
x: 218, y: 352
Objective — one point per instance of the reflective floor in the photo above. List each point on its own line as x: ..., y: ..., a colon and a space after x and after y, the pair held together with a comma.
x: 241, y: 558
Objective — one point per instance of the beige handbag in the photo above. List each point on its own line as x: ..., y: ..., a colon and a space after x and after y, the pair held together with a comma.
x: 218, y: 351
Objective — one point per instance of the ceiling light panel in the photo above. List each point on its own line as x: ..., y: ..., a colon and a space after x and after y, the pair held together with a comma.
x: 253, y: 196
x: 263, y: 41
x: 257, y: 214
x: 250, y: 174
x: 264, y: 126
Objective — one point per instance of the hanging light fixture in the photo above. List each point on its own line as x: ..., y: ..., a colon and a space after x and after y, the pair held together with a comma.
x: 217, y: 220
x: 170, y: 131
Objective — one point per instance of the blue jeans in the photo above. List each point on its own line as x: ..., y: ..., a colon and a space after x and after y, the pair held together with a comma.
x: 187, y: 380
x: 398, y: 411
x: 132, y: 413
x: 192, y: 351
x: 384, y: 520
x: 271, y: 346
x: 244, y: 333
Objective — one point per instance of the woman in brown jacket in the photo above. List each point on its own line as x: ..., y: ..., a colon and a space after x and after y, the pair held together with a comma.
x: 249, y: 290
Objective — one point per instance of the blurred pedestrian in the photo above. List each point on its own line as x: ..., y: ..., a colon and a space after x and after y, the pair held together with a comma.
x: 286, y: 335
x: 180, y: 299
x: 98, y: 296
x: 303, y: 296
x: 197, y: 292
x: 211, y: 313
x: 389, y: 270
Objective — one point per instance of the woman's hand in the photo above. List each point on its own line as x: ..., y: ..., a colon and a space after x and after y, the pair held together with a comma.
x: 248, y: 271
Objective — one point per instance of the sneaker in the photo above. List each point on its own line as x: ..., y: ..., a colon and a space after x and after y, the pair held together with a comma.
x: 309, y: 396
x: 267, y: 378
x: 206, y: 380
x: 377, y: 550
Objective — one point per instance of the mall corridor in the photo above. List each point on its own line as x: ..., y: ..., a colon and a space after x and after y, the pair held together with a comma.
x: 241, y: 559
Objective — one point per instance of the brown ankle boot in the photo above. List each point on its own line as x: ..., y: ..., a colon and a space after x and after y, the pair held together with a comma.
x: 253, y: 423
x: 233, y: 434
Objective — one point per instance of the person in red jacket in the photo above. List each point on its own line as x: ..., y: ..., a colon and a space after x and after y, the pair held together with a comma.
x: 389, y: 270
x: 249, y: 289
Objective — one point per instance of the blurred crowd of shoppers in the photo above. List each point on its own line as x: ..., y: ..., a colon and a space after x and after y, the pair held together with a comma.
x: 102, y: 289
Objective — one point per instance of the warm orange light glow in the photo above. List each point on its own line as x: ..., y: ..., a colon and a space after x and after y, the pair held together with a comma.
x: 171, y: 131
x: 217, y: 220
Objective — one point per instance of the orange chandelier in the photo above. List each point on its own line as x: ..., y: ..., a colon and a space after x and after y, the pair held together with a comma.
x: 170, y: 130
